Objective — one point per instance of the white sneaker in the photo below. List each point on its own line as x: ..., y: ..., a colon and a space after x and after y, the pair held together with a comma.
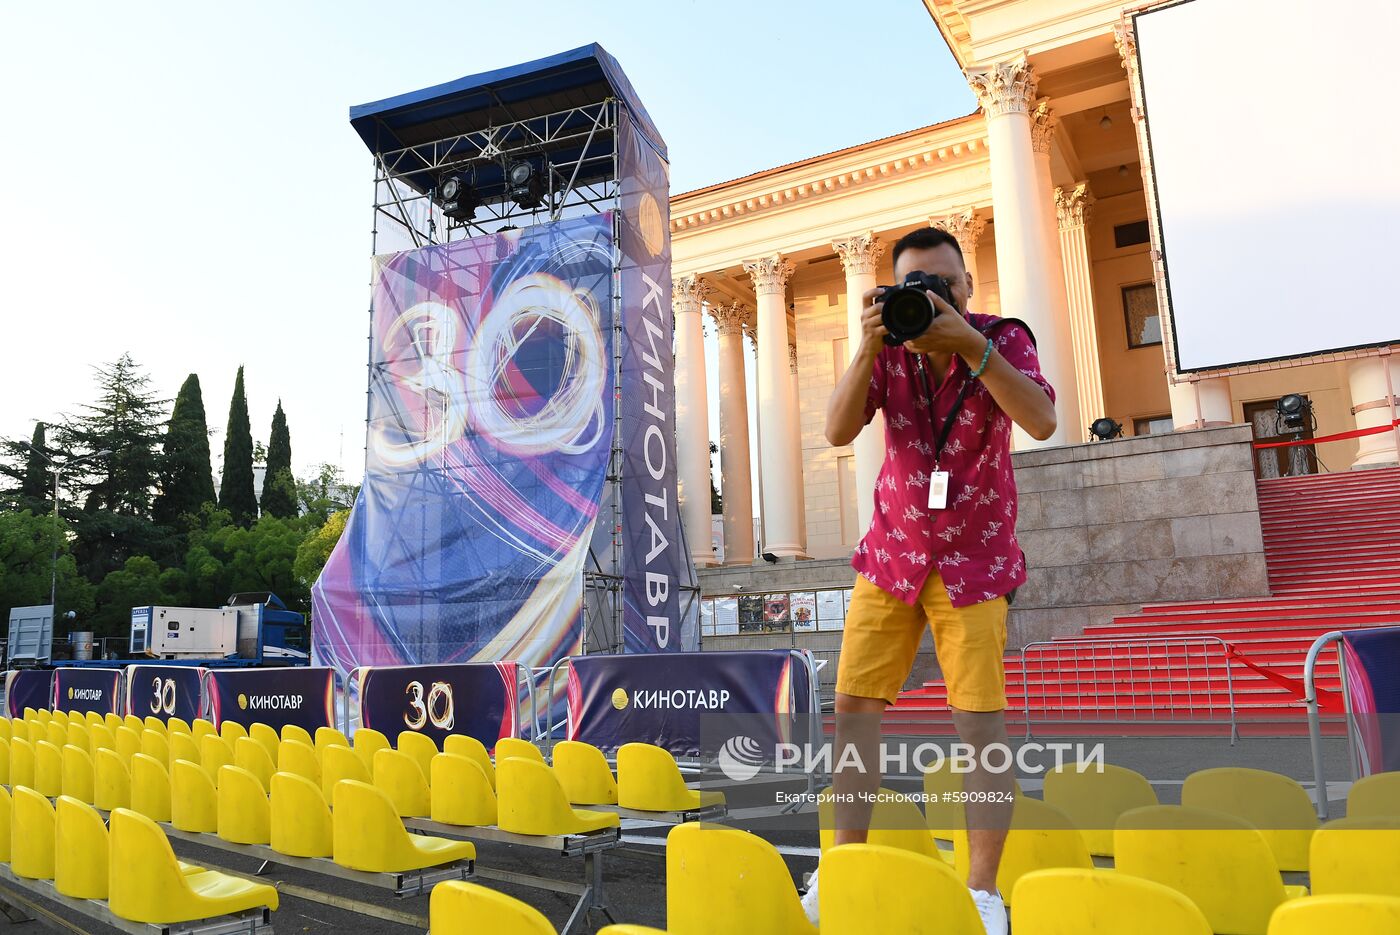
x: 809, y: 900
x: 991, y: 909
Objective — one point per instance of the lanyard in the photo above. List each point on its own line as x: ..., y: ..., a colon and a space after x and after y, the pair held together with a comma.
x: 941, y: 436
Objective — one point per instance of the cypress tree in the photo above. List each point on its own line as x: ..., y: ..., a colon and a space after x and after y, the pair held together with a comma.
x: 186, y: 480
x: 34, y: 488
x: 236, y: 486
x: 279, y: 494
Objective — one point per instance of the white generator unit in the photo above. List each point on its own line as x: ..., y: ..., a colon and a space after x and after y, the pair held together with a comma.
x: 188, y: 632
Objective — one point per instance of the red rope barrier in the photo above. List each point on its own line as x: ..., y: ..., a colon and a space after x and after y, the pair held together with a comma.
x: 1327, y: 701
x: 1354, y: 433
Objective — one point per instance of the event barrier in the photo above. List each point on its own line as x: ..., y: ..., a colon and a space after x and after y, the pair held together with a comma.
x: 81, y: 689
x: 164, y: 692
x: 277, y: 697
x: 1369, y: 665
x: 478, y: 699
x: 28, y: 688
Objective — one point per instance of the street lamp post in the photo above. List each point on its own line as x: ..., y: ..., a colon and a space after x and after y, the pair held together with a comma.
x: 58, y: 467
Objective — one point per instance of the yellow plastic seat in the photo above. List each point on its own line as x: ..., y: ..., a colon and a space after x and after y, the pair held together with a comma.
x: 1356, y: 855
x: 58, y: 717
x: 400, y: 778
x: 128, y: 744
x: 5, y: 730
x: 156, y: 744
x: 906, y: 892
x: 37, y: 714
x: 93, y: 717
x: 250, y: 755
x: 419, y: 747
x: 15, y: 727
x: 78, y: 736
x: 57, y: 733
x: 508, y: 747
x: 474, y: 750
x: 201, y: 728
x: 79, y: 776
x: 529, y: 800
x: 150, y: 787
x: 232, y: 731
x: 1375, y: 796
x: 5, y: 761
x: 1275, y: 804
x: 184, y: 747
x: 627, y: 928
x: 266, y: 735
x: 329, y: 737
x: 194, y: 804
x: 28, y: 729
x: 726, y: 880
x: 6, y: 816
x: 460, y: 793
x: 48, y: 769
x: 244, y: 813
x: 649, y: 780
x: 368, y: 742
x: 134, y: 723
x: 160, y: 893
x: 112, y: 720
x: 1041, y: 837
x: 151, y: 722
x: 21, y: 763
x: 293, y: 732
x: 368, y: 835
x: 177, y: 725
x: 1094, y: 799
x: 301, y: 820
x: 584, y: 773
x: 339, y: 763
x: 80, y: 858
x: 1352, y: 915
x: 31, y: 835
x: 460, y: 908
x: 1220, y: 862
x: 111, y: 781
x: 214, y: 754
x: 895, y: 821
x: 293, y: 756
x: 100, y: 737
x: 1075, y: 902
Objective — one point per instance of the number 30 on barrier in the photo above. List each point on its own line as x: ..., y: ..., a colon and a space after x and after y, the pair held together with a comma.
x: 437, y: 709
x: 164, y: 700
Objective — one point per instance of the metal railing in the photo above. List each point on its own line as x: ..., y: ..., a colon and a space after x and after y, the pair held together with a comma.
x: 1333, y: 637
x: 1130, y: 680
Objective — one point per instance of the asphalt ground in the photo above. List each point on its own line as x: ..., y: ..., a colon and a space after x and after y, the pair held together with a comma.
x: 634, y: 873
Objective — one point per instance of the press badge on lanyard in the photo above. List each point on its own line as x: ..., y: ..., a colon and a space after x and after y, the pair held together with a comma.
x: 938, y: 490
x: 940, y: 479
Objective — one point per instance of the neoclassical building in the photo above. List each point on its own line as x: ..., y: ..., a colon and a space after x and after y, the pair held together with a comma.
x: 1043, y: 187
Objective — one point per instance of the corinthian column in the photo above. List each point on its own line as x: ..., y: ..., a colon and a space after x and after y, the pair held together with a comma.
x: 859, y: 256
x: 1029, y: 273
x: 780, y: 461
x: 1073, y: 208
x: 692, y: 418
x: 734, y: 466
x: 966, y: 227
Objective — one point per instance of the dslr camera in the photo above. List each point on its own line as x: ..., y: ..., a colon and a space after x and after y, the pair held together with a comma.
x: 907, y: 311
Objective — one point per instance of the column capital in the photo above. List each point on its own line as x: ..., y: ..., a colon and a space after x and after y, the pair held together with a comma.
x: 1043, y: 124
x: 730, y: 319
x: 860, y: 253
x: 770, y: 273
x: 965, y: 226
x: 688, y: 293
x: 750, y: 326
x: 1125, y: 41
x: 1074, y: 205
x: 1004, y: 87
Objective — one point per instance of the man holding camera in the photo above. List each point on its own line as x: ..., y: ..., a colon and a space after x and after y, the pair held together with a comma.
x: 941, y: 550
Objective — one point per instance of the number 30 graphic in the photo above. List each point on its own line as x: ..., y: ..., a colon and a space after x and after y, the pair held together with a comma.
x: 437, y: 709
x: 164, y: 700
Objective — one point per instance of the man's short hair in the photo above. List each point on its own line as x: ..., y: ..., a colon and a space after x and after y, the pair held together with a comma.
x: 926, y: 238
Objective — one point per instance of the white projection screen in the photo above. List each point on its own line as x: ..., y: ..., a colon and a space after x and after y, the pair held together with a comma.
x: 1275, y: 151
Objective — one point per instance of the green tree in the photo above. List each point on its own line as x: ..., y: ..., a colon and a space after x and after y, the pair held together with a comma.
x: 136, y: 584
x: 315, y: 549
x: 279, y: 493
x: 236, y: 486
x: 30, y: 483
x: 186, y: 479
x: 35, y: 487
x: 325, y: 493
x: 26, y: 565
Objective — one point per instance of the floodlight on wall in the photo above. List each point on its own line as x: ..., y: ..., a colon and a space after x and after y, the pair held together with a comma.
x: 770, y: 558
x: 525, y: 184
x: 1104, y: 429
x: 458, y: 198
x: 1293, y: 411
x: 1105, y: 122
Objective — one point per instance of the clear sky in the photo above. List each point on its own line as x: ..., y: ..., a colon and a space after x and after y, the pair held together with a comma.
x: 181, y: 181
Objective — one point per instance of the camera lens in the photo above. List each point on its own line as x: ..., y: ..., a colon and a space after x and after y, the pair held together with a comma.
x: 907, y: 313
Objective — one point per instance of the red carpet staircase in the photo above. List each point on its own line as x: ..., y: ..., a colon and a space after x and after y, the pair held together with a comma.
x: 1332, y: 544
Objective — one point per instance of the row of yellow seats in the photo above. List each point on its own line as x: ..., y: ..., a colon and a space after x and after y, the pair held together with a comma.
x: 132, y: 868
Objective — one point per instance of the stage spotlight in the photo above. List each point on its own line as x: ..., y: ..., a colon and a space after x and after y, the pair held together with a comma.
x: 1104, y: 429
x: 459, y: 198
x: 770, y: 558
x: 525, y: 184
x: 1292, y: 411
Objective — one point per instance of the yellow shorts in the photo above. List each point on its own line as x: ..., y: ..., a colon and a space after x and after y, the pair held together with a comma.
x: 882, y: 638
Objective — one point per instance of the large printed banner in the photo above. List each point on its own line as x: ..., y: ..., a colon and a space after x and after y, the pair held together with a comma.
x: 81, y: 689
x: 301, y: 696
x: 28, y: 688
x: 479, y: 700
x: 165, y: 692
x: 490, y: 430
x: 664, y: 699
x: 1372, y: 661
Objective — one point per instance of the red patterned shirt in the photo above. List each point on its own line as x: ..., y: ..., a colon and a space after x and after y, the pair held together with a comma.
x: 971, y: 541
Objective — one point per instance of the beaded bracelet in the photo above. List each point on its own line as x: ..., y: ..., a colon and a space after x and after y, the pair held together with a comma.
x: 986, y: 356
